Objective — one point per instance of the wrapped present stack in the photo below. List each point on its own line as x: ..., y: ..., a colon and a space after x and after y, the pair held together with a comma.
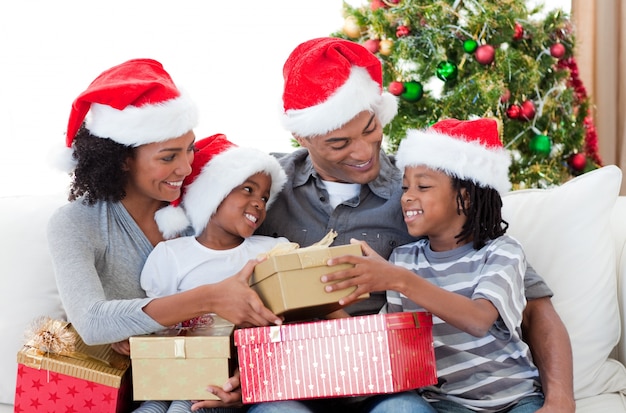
x: 58, y: 372
x: 382, y: 353
x: 179, y: 363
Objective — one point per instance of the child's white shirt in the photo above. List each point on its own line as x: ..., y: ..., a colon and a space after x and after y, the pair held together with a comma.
x: 183, y: 263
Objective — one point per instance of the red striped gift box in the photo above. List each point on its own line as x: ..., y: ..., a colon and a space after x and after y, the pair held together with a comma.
x: 364, y: 355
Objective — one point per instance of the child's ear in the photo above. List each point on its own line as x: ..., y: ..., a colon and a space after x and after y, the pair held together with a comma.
x: 466, y: 198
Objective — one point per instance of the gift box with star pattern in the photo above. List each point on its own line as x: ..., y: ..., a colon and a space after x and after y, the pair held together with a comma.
x: 364, y: 355
x: 89, y: 379
x: 179, y: 363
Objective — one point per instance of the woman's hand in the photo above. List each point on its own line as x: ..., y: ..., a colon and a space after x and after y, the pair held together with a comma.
x: 122, y: 347
x: 365, y: 275
x: 240, y: 304
x: 229, y: 394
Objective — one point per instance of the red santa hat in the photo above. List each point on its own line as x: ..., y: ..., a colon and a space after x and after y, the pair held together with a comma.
x: 218, y: 167
x: 469, y: 150
x: 328, y: 81
x: 133, y: 103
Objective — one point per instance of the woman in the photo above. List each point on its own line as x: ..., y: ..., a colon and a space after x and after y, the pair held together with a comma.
x: 132, y: 137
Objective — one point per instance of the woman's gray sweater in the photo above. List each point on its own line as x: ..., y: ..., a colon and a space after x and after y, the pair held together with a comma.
x: 98, y: 253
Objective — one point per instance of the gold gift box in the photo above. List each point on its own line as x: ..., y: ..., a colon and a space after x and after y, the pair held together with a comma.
x: 179, y: 364
x: 80, y: 375
x: 98, y: 364
x: 290, y: 286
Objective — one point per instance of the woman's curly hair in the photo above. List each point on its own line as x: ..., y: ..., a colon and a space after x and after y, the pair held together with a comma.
x: 483, y: 212
x: 99, y: 174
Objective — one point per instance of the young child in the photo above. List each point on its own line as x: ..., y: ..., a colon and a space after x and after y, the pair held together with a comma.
x: 224, y: 200
x: 464, y: 270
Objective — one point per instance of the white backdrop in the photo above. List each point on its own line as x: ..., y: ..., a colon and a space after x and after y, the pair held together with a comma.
x: 227, y: 54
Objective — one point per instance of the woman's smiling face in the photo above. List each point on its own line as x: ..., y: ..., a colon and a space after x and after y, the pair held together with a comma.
x: 158, y: 169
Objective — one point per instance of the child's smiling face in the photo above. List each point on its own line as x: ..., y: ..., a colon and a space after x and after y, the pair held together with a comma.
x: 242, y: 211
x: 429, y: 206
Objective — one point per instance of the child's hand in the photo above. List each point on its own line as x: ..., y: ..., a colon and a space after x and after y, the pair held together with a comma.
x: 240, y: 304
x: 122, y: 347
x: 229, y: 394
x: 366, y: 275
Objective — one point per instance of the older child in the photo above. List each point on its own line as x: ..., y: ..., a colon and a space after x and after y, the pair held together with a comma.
x: 465, y: 270
x: 224, y: 200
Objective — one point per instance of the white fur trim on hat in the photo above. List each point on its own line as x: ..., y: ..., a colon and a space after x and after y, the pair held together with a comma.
x: 467, y: 160
x: 135, y: 126
x: 360, y: 92
x: 221, y: 175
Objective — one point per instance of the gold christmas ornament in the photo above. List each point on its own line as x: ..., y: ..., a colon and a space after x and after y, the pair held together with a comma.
x: 351, y: 27
x: 385, y: 47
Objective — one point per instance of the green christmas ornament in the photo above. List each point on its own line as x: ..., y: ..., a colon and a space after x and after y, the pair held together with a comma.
x: 540, y: 145
x: 470, y: 46
x: 446, y: 71
x: 413, y: 91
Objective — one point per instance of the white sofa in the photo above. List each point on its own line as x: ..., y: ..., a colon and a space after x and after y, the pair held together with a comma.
x: 574, y: 235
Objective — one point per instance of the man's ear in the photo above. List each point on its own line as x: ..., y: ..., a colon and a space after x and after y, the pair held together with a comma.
x: 301, y: 141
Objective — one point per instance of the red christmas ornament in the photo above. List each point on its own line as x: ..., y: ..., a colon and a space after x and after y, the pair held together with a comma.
x: 506, y: 95
x: 372, y: 45
x: 518, y: 32
x: 396, y: 88
x: 377, y: 4
x: 578, y: 161
x: 527, y: 110
x: 402, y: 31
x: 513, y: 111
x: 557, y: 50
x: 485, y: 54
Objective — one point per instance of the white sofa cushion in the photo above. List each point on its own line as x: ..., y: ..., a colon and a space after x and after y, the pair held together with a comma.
x: 27, y: 284
x: 618, y: 225
x: 565, y: 232
x: 566, y: 235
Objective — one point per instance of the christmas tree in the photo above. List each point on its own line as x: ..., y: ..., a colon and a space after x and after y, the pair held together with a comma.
x: 485, y: 58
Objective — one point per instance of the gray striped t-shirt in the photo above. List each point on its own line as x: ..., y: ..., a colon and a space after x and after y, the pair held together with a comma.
x: 487, y: 373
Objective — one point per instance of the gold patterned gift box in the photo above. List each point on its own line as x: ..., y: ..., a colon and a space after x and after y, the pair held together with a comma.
x: 179, y: 364
x: 79, y: 378
x: 289, y: 284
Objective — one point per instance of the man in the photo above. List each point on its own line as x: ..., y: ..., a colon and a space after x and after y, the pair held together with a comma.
x: 340, y: 179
